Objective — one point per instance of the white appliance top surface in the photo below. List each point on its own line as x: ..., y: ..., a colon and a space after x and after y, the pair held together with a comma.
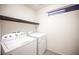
x: 36, y: 34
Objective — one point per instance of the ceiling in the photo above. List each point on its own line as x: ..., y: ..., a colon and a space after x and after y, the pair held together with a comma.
x: 37, y: 6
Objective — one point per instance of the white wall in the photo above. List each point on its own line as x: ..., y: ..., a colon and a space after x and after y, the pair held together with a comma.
x: 61, y: 30
x: 20, y: 11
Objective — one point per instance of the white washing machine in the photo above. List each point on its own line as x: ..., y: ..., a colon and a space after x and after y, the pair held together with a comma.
x: 22, y: 45
x: 41, y: 41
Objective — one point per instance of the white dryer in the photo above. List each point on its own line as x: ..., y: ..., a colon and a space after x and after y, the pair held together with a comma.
x: 41, y: 41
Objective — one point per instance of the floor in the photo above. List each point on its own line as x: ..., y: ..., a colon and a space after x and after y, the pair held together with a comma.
x: 48, y: 52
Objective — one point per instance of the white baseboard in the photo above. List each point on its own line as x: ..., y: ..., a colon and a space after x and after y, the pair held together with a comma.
x: 57, y: 52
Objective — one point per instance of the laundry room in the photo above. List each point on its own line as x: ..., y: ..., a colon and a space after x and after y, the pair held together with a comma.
x: 39, y: 29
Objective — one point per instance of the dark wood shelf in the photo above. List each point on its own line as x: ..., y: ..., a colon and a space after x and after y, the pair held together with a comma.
x: 6, y: 18
x: 64, y: 10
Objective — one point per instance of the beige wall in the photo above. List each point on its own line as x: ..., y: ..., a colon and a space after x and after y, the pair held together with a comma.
x: 8, y: 27
x: 61, y: 30
x: 20, y: 11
